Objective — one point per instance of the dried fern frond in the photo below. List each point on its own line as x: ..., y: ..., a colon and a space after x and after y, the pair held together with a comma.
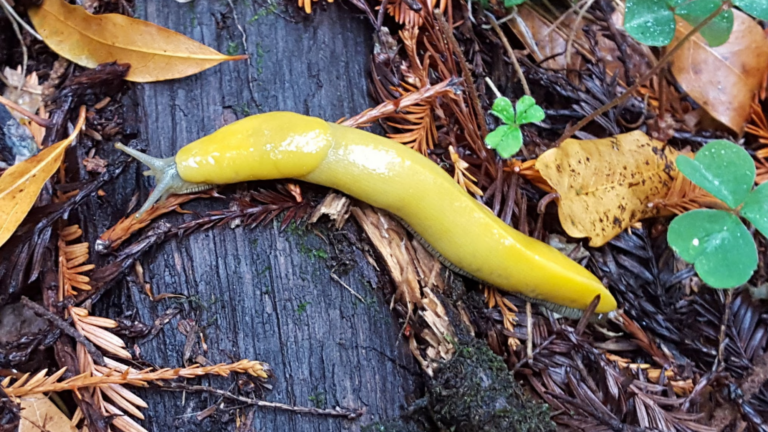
x: 93, y: 328
x: 420, y: 126
x: 112, y: 375
x: 681, y: 387
x: 759, y: 127
x: 251, y: 367
x: 112, y: 238
x: 528, y: 170
x: 685, y: 196
x: 388, y: 108
x: 508, y: 312
x: 124, y: 400
x: 761, y: 169
x: 71, y: 259
x: 462, y: 175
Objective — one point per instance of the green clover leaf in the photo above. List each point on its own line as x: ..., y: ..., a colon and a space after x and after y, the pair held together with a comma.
x: 756, y: 8
x: 502, y: 108
x: 650, y: 22
x: 718, y: 30
x: 526, y: 111
x: 755, y: 208
x: 511, y: 3
x: 723, y: 169
x: 717, y: 243
x: 506, y: 140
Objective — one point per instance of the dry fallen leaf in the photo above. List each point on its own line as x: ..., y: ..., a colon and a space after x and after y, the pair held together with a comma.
x: 723, y: 79
x: 21, y: 184
x: 549, y: 43
x: 606, y: 185
x: 544, y: 42
x: 39, y: 413
x: 154, y: 53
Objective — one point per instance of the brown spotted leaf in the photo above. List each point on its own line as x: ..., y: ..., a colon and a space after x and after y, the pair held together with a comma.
x: 606, y: 185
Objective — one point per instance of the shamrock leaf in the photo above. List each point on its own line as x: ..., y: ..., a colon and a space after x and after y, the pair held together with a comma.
x: 650, y: 22
x: 502, y: 108
x: 717, y: 31
x: 755, y: 208
x: 717, y: 243
x: 526, y: 111
x: 723, y: 169
x: 756, y: 8
x: 507, y: 140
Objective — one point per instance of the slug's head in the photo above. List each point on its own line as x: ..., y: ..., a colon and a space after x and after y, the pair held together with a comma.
x: 167, y: 179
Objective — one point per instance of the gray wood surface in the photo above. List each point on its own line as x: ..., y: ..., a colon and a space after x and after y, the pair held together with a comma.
x: 262, y: 294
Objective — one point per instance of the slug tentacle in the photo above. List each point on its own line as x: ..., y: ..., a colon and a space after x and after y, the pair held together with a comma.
x: 167, y: 179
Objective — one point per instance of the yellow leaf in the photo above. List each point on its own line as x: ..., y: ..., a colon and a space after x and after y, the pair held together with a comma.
x: 39, y: 413
x: 723, y: 79
x: 606, y: 185
x: 21, y: 184
x: 154, y: 53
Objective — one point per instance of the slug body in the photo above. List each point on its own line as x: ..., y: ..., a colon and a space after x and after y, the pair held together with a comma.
x: 388, y: 175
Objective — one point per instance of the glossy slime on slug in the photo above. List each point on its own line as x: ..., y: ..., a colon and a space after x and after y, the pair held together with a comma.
x: 390, y: 176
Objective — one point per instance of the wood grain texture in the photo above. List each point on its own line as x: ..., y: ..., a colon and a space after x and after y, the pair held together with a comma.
x: 262, y: 294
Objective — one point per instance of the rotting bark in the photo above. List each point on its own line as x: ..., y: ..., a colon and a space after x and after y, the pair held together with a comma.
x: 258, y: 294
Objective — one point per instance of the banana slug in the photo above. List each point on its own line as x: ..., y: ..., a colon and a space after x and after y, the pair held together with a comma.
x: 462, y: 232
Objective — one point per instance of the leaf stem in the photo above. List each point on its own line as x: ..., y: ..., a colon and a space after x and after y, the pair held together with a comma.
x: 493, y: 87
x: 664, y: 60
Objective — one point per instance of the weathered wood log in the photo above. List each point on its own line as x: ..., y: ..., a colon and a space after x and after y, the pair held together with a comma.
x: 260, y: 293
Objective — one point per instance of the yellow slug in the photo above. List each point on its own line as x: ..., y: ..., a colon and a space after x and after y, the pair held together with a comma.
x: 387, y: 175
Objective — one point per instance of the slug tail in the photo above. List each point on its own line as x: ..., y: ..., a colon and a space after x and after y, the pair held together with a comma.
x: 167, y: 179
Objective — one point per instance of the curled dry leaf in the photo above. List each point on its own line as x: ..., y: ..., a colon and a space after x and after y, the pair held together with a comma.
x: 606, y: 185
x: 547, y: 41
x: 723, y: 79
x: 21, y: 184
x: 154, y: 53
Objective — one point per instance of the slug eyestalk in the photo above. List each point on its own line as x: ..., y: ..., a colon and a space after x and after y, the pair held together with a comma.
x: 167, y: 178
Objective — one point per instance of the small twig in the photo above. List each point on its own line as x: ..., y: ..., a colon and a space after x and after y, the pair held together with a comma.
x: 16, y: 18
x: 23, y: 111
x: 448, y: 32
x: 510, y: 52
x: 562, y: 17
x: 509, y: 17
x: 337, y: 412
x: 574, y: 29
x: 529, y: 329
x: 336, y: 278
x: 723, y: 327
x: 382, y: 12
x: 628, y: 93
x: 448, y: 87
x: 65, y: 327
